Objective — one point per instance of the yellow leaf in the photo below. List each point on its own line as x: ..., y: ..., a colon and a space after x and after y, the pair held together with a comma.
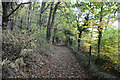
x: 82, y: 39
x: 95, y: 27
x: 83, y: 21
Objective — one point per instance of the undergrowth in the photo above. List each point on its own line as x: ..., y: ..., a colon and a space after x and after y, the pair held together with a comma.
x: 14, y: 43
x: 93, y: 69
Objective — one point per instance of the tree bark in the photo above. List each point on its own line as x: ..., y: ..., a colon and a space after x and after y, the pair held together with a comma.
x: 12, y: 23
x: 48, y: 33
x: 99, y: 37
x: 6, y: 13
x: 80, y: 34
x: 100, y: 33
x: 50, y: 25
x: 54, y: 32
x: 43, y: 8
x: 29, y: 14
x: 21, y: 22
x: 41, y: 11
x: 26, y: 23
x: 6, y: 8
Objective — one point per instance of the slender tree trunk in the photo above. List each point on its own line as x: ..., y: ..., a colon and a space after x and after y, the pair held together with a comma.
x: 80, y: 34
x: 32, y: 11
x: 54, y: 32
x: 12, y: 23
x: 1, y: 10
x: 41, y: 11
x: 21, y: 22
x: 48, y: 35
x: 50, y: 25
x: 54, y: 13
x: 12, y: 20
x: 1, y: 38
x: 118, y: 15
x: 99, y: 41
x: 26, y: 20
x: 43, y: 8
x: 15, y: 19
x: 29, y: 14
x: 99, y: 37
x: 100, y: 33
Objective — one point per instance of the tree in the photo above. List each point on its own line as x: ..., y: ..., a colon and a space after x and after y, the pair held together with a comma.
x: 82, y: 7
x: 0, y: 15
x: 101, y: 15
x: 81, y: 29
x: 7, y: 13
x: 42, y: 10
x: 12, y: 17
x: 100, y: 31
x: 29, y: 16
x: 51, y: 21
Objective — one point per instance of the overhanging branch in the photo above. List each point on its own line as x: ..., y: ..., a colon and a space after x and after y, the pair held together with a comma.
x: 17, y: 8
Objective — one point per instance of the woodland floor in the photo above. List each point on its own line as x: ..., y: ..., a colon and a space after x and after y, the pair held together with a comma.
x: 61, y: 64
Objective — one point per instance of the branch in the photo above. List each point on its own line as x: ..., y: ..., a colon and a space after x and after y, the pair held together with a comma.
x: 42, y: 7
x: 17, y: 8
x: 46, y: 8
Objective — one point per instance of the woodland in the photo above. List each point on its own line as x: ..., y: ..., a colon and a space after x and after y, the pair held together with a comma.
x: 59, y: 40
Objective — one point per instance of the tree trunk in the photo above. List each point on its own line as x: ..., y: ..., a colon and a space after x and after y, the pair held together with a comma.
x: 29, y: 14
x: 15, y: 19
x: 100, y: 33
x: 99, y: 37
x: 118, y: 35
x: 6, y: 8
x: 54, y: 32
x: 48, y: 34
x: 12, y: 23
x: 41, y: 11
x: 0, y: 15
x: 1, y: 38
x: 50, y: 25
x: 21, y: 22
x: 26, y: 20
x: 80, y: 34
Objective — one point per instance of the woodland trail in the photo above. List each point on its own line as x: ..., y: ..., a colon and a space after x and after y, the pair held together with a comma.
x: 62, y: 64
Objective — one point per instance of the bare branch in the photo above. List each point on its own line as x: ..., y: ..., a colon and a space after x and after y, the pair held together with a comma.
x: 17, y: 8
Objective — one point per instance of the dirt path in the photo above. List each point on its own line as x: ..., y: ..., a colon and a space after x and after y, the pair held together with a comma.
x: 62, y: 64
